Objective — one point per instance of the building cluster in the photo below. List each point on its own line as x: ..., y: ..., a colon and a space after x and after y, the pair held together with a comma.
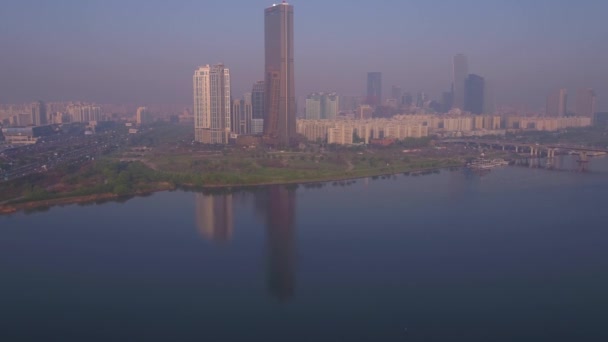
x: 585, y: 106
x: 350, y: 131
x: 40, y: 113
x: 269, y: 109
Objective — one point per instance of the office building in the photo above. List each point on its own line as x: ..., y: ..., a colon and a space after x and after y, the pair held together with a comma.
x: 322, y: 106
x: 557, y: 104
x: 84, y: 113
x: 257, y: 100
x: 212, y: 104
x: 313, y: 106
x: 242, y: 111
x: 280, y: 101
x: 460, y: 70
x: 489, y: 98
x: 143, y: 116
x: 586, y: 103
x: 374, y: 88
x: 39, y: 116
x: 474, y: 94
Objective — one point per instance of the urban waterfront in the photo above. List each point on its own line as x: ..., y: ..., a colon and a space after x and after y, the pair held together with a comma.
x: 517, y: 254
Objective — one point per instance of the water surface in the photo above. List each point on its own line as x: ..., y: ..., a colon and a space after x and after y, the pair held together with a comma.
x: 518, y: 254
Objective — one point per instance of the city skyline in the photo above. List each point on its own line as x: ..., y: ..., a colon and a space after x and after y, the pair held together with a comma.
x: 522, y: 51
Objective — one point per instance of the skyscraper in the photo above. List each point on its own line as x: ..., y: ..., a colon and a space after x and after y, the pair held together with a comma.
x: 557, y: 103
x: 374, y: 88
x: 322, y: 106
x: 280, y: 101
x: 257, y: 100
x: 39, y: 113
x: 586, y: 103
x: 212, y: 104
x: 489, y: 99
x: 241, y: 115
x: 474, y: 94
x: 460, y: 72
x: 313, y: 106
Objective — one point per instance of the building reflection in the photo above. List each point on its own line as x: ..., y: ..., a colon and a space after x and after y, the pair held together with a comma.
x: 214, y: 217
x: 275, y: 207
x: 280, y: 207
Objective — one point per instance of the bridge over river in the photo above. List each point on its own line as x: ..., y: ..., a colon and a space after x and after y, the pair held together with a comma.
x: 534, y: 150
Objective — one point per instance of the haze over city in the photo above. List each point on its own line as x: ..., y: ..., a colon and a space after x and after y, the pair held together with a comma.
x: 145, y: 51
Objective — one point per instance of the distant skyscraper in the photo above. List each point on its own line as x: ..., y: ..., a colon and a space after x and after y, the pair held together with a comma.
x: 474, y: 94
x: 280, y: 101
x: 557, y: 103
x: 374, y: 88
x: 460, y: 72
x: 242, y: 115
x: 142, y: 116
x: 313, y: 106
x: 212, y: 104
x: 407, y: 99
x: 322, y: 106
x: 39, y: 116
x: 257, y: 100
x: 330, y: 106
x: 586, y: 103
x: 489, y: 99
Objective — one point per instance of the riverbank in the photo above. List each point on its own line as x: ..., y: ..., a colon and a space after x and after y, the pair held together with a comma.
x: 24, y: 205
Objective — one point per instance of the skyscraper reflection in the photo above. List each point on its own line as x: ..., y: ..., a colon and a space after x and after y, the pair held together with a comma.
x: 214, y: 217
x: 280, y: 227
x: 275, y: 207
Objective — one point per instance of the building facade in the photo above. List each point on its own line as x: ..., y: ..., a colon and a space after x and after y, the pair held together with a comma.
x: 374, y: 88
x: 460, y: 70
x: 280, y: 100
x: 322, y: 106
x: 242, y: 111
x: 39, y: 116
x: 586, y: 103
x: 212, y: 105
x: 474, y: 94
x: 557, y: 104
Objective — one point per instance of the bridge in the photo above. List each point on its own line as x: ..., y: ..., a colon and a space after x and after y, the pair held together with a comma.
x: 534, y: 150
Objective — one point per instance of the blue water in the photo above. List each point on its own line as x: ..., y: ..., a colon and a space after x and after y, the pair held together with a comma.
x: 518, y: 254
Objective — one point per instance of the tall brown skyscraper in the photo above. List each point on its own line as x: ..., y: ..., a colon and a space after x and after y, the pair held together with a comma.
x: 557, y: 104
x: 586, y: 103
x: 280, y: 100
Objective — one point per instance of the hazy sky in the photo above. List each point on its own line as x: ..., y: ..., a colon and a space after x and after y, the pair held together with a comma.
x: 135, y: 51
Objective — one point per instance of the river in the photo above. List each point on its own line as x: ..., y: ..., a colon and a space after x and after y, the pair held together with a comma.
x: 518, y: 254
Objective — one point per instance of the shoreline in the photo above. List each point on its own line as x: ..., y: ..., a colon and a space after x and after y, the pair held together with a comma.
x: 12, y: 208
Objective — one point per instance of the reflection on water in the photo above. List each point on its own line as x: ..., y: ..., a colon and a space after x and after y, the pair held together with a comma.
x: 214, y: 216
x: 275, y: 207
x: 280, y: 219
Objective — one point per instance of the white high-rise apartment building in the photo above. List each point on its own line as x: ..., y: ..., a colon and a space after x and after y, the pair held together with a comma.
x: 212, y: 104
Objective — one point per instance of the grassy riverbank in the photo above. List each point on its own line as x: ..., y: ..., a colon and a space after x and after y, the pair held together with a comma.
x: 112, y: 179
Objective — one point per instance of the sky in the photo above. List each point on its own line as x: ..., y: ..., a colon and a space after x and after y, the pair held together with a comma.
x: 145, y: 52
